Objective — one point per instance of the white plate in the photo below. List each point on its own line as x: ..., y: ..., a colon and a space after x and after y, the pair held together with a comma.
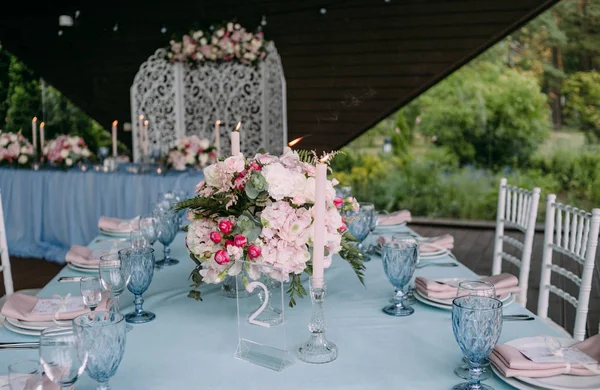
x: 517, y: 384
x: 31, y: 325
x: 86, y: 266
x: 447, y: 304
x: 430, y: 255
x: 560, y: 382
x: 116, y: 233
x: 18, y: 330
x: 84, y: 270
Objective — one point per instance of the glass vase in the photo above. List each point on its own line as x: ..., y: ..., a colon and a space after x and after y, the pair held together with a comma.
x: 229, y: 288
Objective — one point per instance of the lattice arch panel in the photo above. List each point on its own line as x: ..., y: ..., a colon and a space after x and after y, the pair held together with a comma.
x: 182, y: 99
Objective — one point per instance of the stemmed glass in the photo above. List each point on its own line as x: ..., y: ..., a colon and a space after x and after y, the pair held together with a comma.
x: 147, y: 226
x: 359, y: 225
x: 400, y: 256
x: 369, y: 208
x: 137, y: 239
x: 114, y: 278
x: 101, y: 337
x: 91, y: 291
x: 477, y: 323
x: 26, y: 374
x: 140, y: 266
x: 482, y: 289
x: 167, y: 225
x: 60, y: 356
x: 343, y: 191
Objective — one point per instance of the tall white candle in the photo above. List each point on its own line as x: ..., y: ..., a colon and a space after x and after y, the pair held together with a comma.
x: 42, y: 137
x: 218, y: 138
x: 114, y: 138
x: 319, y: 234
x: 141, y: 132
x: 34, y: 134
x: 235, y: 140
x: 145, y: 144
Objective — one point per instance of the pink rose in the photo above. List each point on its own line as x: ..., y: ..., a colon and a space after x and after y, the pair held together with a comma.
x: 222, y: 257
x: 338, y: 202
x: 216, y: 237
x: 229, y: 243
x: 225, y: 226
x: 343, y: 228
x: 240, y: 240
x: 254, y: 251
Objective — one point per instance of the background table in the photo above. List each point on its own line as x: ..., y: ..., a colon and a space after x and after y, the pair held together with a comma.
x: 47, y: 211
x: 191, y: 344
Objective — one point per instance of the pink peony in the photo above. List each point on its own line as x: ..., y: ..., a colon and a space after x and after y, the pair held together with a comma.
x: 216, y: 237
x: 240, y: 240
x: 254, y: 251
x: 225, y: 226
x: 222, y: 257
x: 338, y: 202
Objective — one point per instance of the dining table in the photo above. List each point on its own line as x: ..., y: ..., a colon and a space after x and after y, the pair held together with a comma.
x: 191, y: 344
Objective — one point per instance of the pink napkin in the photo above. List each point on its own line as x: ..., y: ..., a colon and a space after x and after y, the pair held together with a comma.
x: 20, y: 306
x: 428, y: 244
x: 511, y: 362
x: 504, y: 284
x: 116, y: 224
x: 47, y: 384
x: 82, y: 255
x: 395, y: 218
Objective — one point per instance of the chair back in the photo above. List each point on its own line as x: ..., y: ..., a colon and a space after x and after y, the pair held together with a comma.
x: 517, y: 207
x: 574, y: 234
x: 5, y: 264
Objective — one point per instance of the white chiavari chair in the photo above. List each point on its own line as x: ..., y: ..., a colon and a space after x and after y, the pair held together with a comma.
x: 517, y: 208
x: 574, y: 234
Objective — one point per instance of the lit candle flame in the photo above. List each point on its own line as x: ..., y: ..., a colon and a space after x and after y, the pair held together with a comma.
x: 294, y: 142
x: 34, y: 119
x: 141, y: 117
x: 237, y: 128
x: 146, y: 123
x: 42, y: 124
x: 218, y: 123
x: 115, y: 123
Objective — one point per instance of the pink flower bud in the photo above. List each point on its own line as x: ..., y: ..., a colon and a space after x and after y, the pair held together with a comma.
x: 343, y: 228
x: 222, y: 257
x: 338, y: 202
x: 225, y: 226
x: 229, y: 243
x: 240, y: 240
x: 254, y: 251
x: 216, y: 237
x: 254, y: 166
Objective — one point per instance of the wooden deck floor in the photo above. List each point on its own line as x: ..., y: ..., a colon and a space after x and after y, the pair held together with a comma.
x: 473, y: 247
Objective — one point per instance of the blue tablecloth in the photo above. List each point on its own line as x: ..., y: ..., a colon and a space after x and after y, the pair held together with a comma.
x: 190, y: 345
x: 47, y: 211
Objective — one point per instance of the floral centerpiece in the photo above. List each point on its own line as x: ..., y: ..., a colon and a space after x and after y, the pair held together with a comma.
x: 230, y: 42
x: 191, y: 152
x: 15, y: 150
x: 66, y: 151
x: 260, y: 210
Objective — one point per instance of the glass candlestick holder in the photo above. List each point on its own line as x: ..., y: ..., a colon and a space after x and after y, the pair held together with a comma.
x: 317, y: 349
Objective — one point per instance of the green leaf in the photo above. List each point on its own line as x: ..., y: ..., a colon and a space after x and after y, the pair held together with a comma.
x: 195, y: 295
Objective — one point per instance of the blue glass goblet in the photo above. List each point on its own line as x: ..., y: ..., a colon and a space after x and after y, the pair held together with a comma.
x: 359, y: 225
x: 399, y: 257
x: 101, y: 337
x: 167, y: 225
x: 140, y: 265
x: 477, y: 323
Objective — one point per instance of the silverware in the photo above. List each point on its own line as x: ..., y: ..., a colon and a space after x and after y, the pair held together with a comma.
x: 423, y: 265
x: 64, y: 279
x: 20, y: 345
x: 110, y: 239
x: 517, y: 317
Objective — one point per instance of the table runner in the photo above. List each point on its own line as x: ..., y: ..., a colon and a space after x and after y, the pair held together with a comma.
x: 191, y: 344
x: 48, y: 211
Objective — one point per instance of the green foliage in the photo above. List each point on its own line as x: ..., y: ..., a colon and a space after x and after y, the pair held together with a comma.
x: 582, y: 91
x: 486, y: 115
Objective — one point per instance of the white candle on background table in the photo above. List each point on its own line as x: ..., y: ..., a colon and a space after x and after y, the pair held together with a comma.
x: 146, y: 138
x: 319, y: 232
x: 42, y: 136
x: 114, y: 138
x: 218, y: 138
x: 34, y: 134
x: 235, y: 140
x: 141, y: 132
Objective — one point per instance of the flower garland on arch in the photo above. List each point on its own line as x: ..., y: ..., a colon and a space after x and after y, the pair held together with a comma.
x: 229, y: 42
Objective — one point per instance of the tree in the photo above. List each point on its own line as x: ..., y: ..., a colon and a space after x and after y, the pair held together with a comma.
x: 582, y: 106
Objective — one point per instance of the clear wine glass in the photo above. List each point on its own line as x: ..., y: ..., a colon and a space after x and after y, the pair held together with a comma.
x: 369, y: 208
x: 359, y: 225
x: 101, y: 336
x: 60, y: 356
x: 476, y: 323
x: 26, y: 374
x: 114, y: 277
x: 399, y: 257
x: 147, y: 226
x: 137, y: 239
x: 91, y: 291
x: 167, y: 225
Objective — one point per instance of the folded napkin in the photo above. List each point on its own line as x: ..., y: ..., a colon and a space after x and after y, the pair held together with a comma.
x: 511, y: 362
x: 504, y: 284
x: 428, y: 244
x: 116, y: 224
x: 81, y: 255
x: 20, y: 306
x: 395, y: 218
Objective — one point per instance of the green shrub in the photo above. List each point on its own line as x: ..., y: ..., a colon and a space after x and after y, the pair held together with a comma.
x: 582, y: 107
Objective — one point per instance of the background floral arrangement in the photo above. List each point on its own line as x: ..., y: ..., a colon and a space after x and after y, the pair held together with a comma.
x: 261, y: 210
x: 191, y: 152
x: 230, y: 42
x: 15, y: 150
x: 66, y: 151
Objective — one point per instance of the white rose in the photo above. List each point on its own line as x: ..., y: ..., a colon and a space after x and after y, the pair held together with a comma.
x: 64, y: 153
x: 24, y: 150
x: 203, y: 159
x: 190, y: 160
x: 210, y: 175
x: 220, y: 32
x: 197, y: 35
x: 3, y: 141
x: 23, y: 159
x: 14, y: 138
x: 203, y: 41
x: 204, y: 143
x: 86, y: 152
x: 69, y: 162
x: 279, y: 180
